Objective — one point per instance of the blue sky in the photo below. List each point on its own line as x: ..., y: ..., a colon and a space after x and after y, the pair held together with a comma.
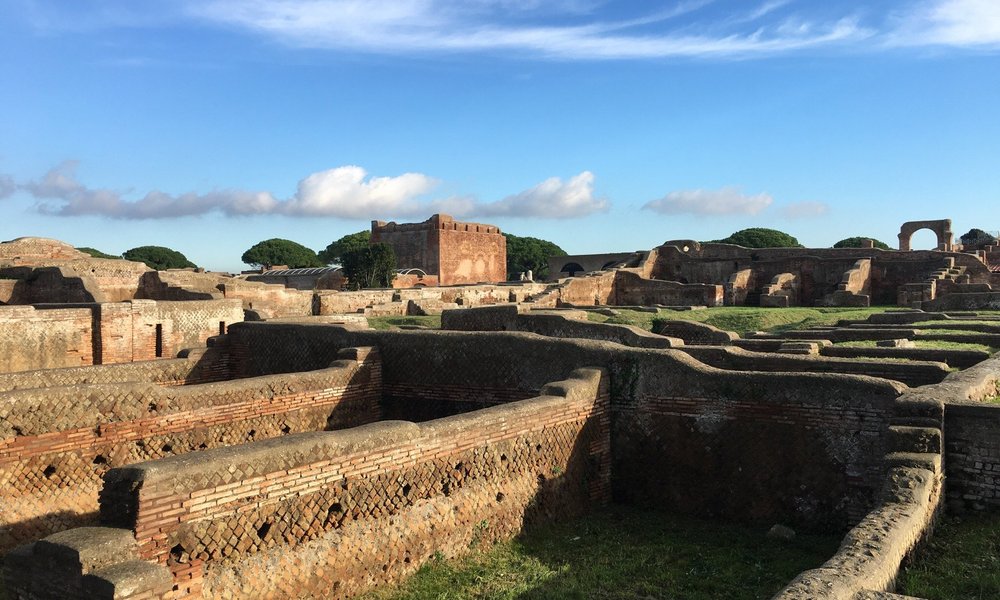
x: 209, y: 125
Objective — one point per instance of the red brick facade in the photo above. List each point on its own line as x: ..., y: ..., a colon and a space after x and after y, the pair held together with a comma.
x: 454, y: 251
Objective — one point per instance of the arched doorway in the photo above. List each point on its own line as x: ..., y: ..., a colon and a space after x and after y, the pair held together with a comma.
x: 571, y: 269
x: 941, y: 228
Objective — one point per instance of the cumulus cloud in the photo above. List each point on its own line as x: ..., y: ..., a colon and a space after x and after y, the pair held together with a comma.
x: 346, y: 192
x: 804, y: 210
x: 550, y: 199
x: 969, y: 23
x: 724, y: 201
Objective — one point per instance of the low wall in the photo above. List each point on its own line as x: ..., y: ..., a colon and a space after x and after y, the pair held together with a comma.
x: 959, y: 359
x: 804, y: 448
x: 630, y: 288
x: 972, y: 438
x: 912, y: 373
x: 57, y: 442
x: 332, y: 514
x: 197, y: 365
x: 557, y: 324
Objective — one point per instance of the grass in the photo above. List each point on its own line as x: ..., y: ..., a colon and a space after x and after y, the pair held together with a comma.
x: 432, y: 321
x: 962, y: 560
x: 622, y: 553
x: 932, y: 344
x: 744, y: 319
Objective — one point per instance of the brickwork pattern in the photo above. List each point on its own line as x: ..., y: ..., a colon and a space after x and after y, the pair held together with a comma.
x: 341, y: 511
x: 972, y: 453
x: 56, y: 445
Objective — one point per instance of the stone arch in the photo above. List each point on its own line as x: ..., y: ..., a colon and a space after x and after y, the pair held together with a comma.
x: 571, y: 268
x: 941, y: 228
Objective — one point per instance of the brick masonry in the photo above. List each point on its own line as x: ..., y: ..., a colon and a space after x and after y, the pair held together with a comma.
x: 57, y: 443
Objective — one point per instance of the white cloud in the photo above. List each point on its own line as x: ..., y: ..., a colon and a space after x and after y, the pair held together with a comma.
x: 973, y: 23
x: 804, y: 210
x: 550, y: 199
x: 724, y: 201
x: 402, y: 26
x: 346, y: 192
x: 349, y: 193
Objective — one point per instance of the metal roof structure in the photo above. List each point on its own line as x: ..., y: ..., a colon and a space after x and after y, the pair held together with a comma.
x: 305, y: 271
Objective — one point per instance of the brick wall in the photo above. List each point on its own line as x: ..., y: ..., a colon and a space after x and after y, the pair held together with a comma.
x: 56, y: 443
x: 44, y: 339
x: 198, y: 365
x: 454, y: 251
x: 806, y: 448
x: 335, y: 513
x: 58, y: 335
x: 972, y: 456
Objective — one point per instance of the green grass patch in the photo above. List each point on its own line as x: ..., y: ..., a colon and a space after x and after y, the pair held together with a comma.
x: 432, y: 321
x: 622, y: 553
x: 930, y: 344
x: 744, y: 319
x: 961, y: 560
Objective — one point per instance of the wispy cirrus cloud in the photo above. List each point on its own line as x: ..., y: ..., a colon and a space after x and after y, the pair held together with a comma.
x: 553, y: 29
x: 959, y: 23
x: 728, y: 200
x: 346, y: 192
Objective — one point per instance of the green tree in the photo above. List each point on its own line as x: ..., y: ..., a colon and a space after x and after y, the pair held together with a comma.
x: 334, y: 253
x: 371, y: 266
x: 277, y: 251
x: 158, y: 257
x: 529, y: 254
x: 860, y: 242
x: 760, y: 237
x: 975, y: 239
x: 96, y: 253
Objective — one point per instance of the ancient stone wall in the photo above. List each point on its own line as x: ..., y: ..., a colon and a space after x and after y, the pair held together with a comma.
x: 45, y: 339
x: 801, y: 447
x: 972, y: 446
x: 335, y: 513
x: 454, y: 251
x: 820, y: 270
x: 632, y: 289
x: 56, y: 443
x: 197, y: 365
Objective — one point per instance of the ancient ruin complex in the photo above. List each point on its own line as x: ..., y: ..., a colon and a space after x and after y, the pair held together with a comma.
x: 179, y: 434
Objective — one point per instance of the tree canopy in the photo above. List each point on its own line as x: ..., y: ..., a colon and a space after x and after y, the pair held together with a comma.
x: 529, y: 254
x: 334, y: 253
x: 371, y: 266
x: 860, y: 242
x: 97, y: 253
x: 975, y: 239
x: 760, y: 237
x: 158, y: 257
x: 277, y: 251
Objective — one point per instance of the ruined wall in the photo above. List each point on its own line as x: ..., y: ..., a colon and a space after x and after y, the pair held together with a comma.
x: 44, y: 339
x: 632, y: 289
x: 198, y: 365
x: 335, y: 513
x: 269, y: 300
x: 751, y: 446
x: 972, y: 445
x: 820, y: 270
x: 454, y: 251
x: 56, y: 443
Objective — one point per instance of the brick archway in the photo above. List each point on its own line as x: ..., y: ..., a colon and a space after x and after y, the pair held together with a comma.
x: 941, y: 228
